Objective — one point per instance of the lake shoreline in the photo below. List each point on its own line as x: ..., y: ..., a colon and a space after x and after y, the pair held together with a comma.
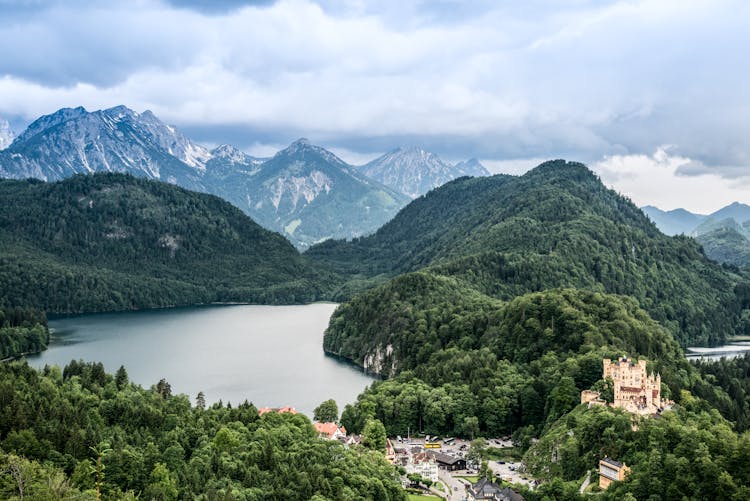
x: 57, y: 316
x: 270, y: 355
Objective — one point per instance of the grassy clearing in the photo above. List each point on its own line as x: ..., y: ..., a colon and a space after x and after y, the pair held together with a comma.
x: 418, y: 497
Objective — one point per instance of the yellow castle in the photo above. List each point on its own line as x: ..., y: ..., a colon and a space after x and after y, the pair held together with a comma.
x: 634, y: 389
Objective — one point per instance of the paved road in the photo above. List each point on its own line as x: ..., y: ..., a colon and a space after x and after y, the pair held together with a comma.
x: 456, y: 486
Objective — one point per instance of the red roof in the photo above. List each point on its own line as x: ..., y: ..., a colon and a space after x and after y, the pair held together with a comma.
x: 329, y: 429
x: 266, y: 410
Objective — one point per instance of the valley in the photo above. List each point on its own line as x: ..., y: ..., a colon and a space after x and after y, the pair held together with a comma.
x: 314, y: 250
x: 486, y: 305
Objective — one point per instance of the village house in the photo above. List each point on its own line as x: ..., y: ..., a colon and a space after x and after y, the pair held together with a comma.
x: 450, y: 463
x: 611, y: 471
x: 350, y: 439
x: 486, y: 490
x: 402, y: 455
x: 635, y: 390
x: 390, y: 452
x: 278, y: 410
x: 331, y: 431
x: 424, y: 465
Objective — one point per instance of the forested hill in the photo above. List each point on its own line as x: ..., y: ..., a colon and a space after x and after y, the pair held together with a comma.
x: 115, y: 242
x: 555, y: 226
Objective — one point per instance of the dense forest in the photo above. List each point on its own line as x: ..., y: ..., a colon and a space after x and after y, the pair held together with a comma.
x: 488, y: 305
x: 22, y: 330
x: 79, y: 430
x: 727, y: 244
x: 493, y: 369
x: 555, y: 226
x: 114, y: 242
x: 691, y: 453
x: 495, y: 301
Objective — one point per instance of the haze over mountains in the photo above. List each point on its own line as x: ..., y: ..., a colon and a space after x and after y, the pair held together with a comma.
x: 724, y: 234
x: 304, y: 191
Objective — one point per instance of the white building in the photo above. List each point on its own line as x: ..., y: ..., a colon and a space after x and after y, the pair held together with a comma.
x: 424, y: 465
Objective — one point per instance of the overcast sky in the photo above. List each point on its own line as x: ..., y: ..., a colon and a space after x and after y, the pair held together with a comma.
x: 653, y: 95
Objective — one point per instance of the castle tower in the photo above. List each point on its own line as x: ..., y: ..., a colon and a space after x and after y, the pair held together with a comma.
x: 634, y: 389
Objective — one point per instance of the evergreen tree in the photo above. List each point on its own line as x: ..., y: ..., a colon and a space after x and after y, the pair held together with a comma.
x: 121, y: 378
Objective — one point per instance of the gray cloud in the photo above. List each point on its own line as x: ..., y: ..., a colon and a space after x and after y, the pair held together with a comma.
x: 496, y: 80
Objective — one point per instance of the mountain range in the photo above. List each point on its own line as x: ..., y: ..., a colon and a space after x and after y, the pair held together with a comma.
x: 304, y: 191
x: 414, y: 171
x: 724, y: 234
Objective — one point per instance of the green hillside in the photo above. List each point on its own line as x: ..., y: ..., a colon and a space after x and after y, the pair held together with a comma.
x: 727, y: 244
x: 556, y: 226
x: 22, y: 330
x: 462, y: 363
x: 115, y: 242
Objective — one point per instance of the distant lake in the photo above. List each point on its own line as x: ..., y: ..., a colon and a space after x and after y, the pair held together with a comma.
x: 732, y: 350
x: 270, y: 355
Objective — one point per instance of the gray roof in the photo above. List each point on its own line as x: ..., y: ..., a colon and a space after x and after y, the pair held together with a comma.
x: 445, y: 458
x: 613, y: 462
x: 486, y: 488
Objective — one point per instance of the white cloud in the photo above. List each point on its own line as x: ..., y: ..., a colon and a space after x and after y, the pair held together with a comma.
x: 494, y: 80
x: 655, y: 180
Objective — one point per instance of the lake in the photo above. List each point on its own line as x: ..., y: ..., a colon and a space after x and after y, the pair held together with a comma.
x: 270, y: 355
x: 731, y: 350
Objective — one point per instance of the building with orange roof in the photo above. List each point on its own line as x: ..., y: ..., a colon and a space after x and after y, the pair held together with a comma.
x: 278, y: 410
x: 331, y: 431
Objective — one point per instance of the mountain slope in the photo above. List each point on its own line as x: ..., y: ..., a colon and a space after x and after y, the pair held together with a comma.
x: 308, y: 194
x: 115, y: 242
x: 674, y: 222
x: 414, y: 172
x: 556, y: 226
x: 471, y: 167
x: 305, y: 192
x: 727, y: 244
x: 724, y: 234
x: 74, y: 141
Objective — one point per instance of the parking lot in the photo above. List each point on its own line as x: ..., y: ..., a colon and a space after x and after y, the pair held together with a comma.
x: 510, y: 471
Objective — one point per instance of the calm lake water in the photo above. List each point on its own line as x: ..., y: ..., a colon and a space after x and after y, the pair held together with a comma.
x: 270, y: 355
x: 731, y: 350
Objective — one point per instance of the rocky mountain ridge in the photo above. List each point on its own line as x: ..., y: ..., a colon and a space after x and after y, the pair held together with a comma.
x: 414, y: 171
x: 304, y: 192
